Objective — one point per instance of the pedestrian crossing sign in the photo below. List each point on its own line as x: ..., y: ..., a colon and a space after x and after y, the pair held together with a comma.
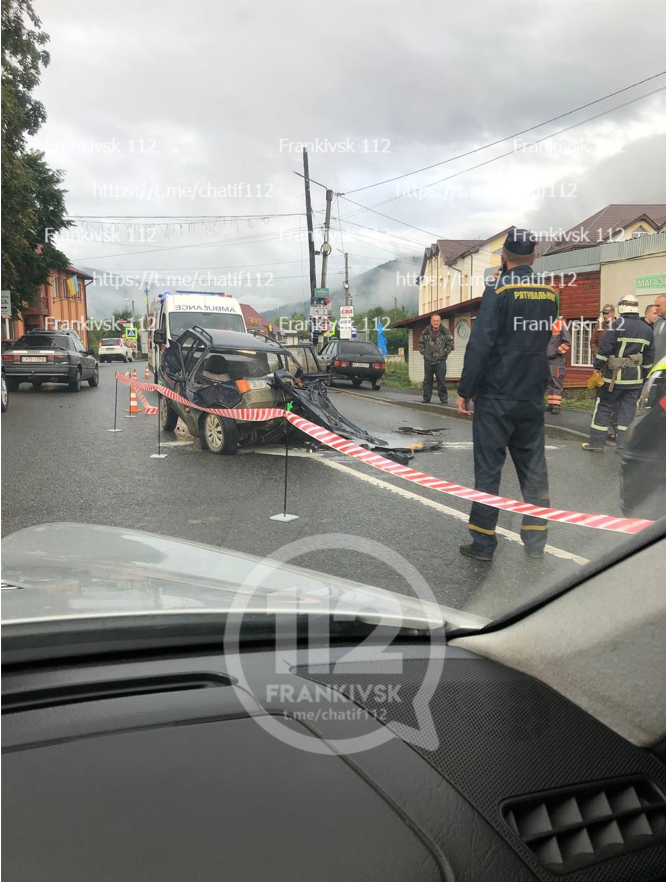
x: 130, y: 333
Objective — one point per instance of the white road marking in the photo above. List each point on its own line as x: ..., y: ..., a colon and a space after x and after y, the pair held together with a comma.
x: 408, y: 494
x: 176, y: 443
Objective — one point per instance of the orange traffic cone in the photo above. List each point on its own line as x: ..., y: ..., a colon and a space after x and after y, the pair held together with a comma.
x: 134, y: 373
x: 147, y: 374
x: 133, y: 408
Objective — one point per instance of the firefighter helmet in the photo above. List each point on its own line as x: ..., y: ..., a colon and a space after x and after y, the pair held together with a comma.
x: 628, y: 304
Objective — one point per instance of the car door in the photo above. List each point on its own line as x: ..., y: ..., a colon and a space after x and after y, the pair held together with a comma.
x: 172, y: 369
x: 86, y: 361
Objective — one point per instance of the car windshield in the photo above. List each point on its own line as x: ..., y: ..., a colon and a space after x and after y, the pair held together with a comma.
x: 388, y: 303
x: 359, y: 349
x: 41, y: 341
x: 242, y: 364
x: 181, y: 321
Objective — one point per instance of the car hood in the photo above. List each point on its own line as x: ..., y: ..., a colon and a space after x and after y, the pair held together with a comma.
x: 87, y: 571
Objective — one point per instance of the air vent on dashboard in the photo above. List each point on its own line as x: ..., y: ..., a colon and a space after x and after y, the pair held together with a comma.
x: 571, y: 828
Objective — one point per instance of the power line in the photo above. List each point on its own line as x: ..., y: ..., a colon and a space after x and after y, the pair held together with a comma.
x: 502, y: 156
x: 507, y: 137
x: 118, y: 219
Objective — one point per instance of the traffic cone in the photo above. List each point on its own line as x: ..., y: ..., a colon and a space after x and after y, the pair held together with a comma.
x: 147, y: 374
x: 134, y: 373
x: 133, y: 408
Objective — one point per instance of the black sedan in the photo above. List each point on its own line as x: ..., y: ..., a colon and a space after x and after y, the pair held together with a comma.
x: 354, y: 360
x: 50, y: 357
x: 643, y: 476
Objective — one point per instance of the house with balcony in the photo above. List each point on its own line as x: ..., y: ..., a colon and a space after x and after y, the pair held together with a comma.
x: 454, y: 273
x: 60, y: 303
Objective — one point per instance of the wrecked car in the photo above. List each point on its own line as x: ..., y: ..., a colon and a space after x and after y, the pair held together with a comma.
x: 232, y: 370
x: 223, y: 369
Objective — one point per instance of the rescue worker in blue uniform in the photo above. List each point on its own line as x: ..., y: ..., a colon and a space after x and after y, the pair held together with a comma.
x: 624, y: 360
x: 506, y: 373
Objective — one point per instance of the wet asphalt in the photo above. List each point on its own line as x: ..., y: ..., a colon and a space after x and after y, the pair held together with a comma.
x: 59, y: 463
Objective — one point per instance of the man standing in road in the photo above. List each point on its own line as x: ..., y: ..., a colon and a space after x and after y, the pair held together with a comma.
x: 606, y: 321
x: 558, y: 346
x: 435, y: 345
x: 624, y: 360
x: 659, y: 328
x: 506, y: 373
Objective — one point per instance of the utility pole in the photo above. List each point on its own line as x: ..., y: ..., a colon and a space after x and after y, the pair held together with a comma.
x: 308, y: 214
x: 326, y: 248
x: 348, y: 298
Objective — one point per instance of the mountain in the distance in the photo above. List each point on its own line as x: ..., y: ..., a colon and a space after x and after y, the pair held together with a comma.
x: 389, y: 284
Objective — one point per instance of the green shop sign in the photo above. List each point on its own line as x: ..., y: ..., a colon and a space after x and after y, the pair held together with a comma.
x: 651, y: 283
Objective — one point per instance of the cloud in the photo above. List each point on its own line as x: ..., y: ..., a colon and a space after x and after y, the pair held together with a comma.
x: 196, y: 98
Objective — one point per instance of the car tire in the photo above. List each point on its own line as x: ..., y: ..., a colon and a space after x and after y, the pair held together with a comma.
x: 13, y: 384
x: 37, y: 384
x: 75, y: 385
x: 126, y: 359
x: 377, y: 385
x: 356, y: 381
x: 4, y: 397
x: 94, y: 380
x: 219, y: 434
x: 168, y: 416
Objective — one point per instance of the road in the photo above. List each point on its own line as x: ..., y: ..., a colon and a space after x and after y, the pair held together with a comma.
x: 60, y: 463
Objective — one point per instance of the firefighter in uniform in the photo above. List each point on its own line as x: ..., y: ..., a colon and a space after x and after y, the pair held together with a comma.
x: 624, y: 360
x: 558, y: 346
x: 506, y: 373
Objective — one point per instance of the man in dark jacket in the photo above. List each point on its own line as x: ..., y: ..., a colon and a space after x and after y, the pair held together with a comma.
x: 506, y: 373
x: 435, y: 345
x: 624, y: 360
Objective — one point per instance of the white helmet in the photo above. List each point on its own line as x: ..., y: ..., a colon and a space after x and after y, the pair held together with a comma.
x: 629, y: 303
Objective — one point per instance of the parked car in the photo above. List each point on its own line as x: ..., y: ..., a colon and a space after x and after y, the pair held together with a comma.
x: 643, y: 473
x: 223, y: 369
x: 115, y: 349
x: 4, y: 396
x: 354, y: 360
x: 50, y: 357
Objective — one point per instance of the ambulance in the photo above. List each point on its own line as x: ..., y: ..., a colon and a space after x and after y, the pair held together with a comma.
x: 175, y: 311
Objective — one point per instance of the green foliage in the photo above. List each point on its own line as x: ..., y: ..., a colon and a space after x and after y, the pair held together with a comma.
x: 395, y: 337
x: 33, y: 204
x: 397, y: 375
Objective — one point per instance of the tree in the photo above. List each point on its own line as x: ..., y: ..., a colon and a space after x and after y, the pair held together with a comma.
x: 33, y: 203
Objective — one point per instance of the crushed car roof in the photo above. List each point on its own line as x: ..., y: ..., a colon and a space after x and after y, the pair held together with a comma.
x: 235, y: 339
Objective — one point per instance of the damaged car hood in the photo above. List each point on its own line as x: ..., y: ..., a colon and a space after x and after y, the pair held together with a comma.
x: 86, y: 571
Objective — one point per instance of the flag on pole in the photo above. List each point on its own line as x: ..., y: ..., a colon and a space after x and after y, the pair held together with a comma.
x: 381, y: 339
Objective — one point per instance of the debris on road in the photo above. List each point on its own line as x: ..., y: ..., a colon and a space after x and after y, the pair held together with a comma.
x: 417, y: 430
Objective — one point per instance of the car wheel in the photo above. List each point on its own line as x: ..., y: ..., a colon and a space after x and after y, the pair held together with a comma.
x: 75, y: 385
x: 4, y: 397
x: 37, y: 384
x: 13, y: 384
x: 126, y: 359
x: 168, y: 416
x: 377, y: 384
x: 94, y: 380
x: 356, y: 381
x: 219, y: 434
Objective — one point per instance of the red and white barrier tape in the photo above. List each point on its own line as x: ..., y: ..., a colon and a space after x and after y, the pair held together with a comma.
x: 369, y: 457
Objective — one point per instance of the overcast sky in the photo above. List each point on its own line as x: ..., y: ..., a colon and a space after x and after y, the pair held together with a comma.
x: 197, y: 108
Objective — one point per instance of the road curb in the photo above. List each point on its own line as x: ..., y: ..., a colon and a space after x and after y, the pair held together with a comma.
x: 561, y: 432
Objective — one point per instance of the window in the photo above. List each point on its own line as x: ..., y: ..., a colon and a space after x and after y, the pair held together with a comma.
x: 581, y: 331
x: 56, y: 288
x: 638, y: 232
